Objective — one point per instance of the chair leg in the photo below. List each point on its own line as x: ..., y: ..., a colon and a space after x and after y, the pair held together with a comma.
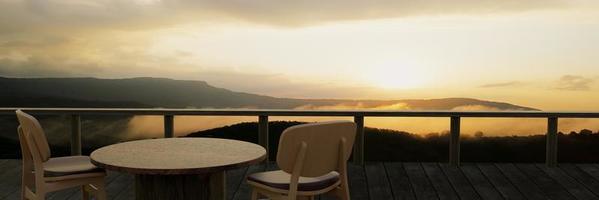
x: 343, y: 189
x: 27, y: 182
x: 343, y: 192
x: 24, y: 191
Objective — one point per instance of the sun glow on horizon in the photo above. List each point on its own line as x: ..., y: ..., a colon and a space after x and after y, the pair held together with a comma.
x: 399, y: 75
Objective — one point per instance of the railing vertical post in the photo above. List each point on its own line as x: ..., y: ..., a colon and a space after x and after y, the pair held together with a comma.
x: 551, y: 148
x: 75, y: 135
x: 169, y: 126
x: 358, y: 157
x: 454, y: 141
x: 263, y: 133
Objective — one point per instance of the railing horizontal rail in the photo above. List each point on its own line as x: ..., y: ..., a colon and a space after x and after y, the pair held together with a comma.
x: 263, y: 115
x: 271, y: 112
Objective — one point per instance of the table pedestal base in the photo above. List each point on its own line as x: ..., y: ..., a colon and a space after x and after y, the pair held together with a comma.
x: 180, y: 187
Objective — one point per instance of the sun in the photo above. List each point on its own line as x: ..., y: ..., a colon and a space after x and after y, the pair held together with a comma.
x: 398, y: 82
x: 398, y: 77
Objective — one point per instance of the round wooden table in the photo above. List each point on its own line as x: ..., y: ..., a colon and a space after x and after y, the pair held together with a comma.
x: 178, y: 168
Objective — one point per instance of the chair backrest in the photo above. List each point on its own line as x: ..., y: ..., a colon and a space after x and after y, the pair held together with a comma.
x: 323, y: 141
x: 34, y: 135
x: 26, y: 155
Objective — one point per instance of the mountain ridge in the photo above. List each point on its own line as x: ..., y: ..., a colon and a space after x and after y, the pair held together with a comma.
x: 165, y: 92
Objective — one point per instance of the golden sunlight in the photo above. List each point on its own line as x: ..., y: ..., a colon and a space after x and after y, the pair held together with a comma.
x: 395, y: 75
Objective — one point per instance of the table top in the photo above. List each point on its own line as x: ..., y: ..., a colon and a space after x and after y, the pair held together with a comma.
x: 178, y: 156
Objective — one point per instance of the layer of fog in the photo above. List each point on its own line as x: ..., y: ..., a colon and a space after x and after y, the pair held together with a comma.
x: 152, y: 126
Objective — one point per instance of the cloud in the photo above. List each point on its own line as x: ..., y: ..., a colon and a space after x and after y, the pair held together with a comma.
x: 574, y: 83
x: 502, y: 84
x: 57, y: 15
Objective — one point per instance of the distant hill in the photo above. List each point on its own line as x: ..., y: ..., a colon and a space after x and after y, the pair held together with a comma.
x: 161, y: 92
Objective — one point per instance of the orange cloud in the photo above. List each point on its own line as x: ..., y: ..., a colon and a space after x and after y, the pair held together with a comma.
x: 574, y: 83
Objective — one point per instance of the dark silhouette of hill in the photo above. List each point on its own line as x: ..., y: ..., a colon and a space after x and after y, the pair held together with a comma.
x: 161, y: 92
x: 391, y: 145
x: 38, y: 101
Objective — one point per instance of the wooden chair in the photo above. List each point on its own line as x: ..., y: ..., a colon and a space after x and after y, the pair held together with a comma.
x: 313, y: 161
x: 43, y: 174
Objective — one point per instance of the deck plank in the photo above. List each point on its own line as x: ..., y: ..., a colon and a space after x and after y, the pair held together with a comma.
x: 582, y: 177
x: 549, y: 186
x: 11, y: 178
x: 13, y: 196
x: 521, y: 181
x: 460, y: 183
x: 2, y: 163
x: 480, y: 183
x: 234, y: 180
x: 570, y: 184
x: 378, y: 184
x: 399, y: 181
x: 392, y: 180
x: 500, y: 182
x: 244, y: 191
x: 590, y: 169
x: 64, y: 194
x: 439, y: 181
x: 127, y: 194
x: 119, y: 185
x: 423, y: 189
x: 358, y: 188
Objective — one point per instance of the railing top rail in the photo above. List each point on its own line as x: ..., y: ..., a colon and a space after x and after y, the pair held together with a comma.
x: 280, y: 112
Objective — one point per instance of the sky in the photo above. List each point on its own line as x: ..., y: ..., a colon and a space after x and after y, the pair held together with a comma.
x: 536, y: 53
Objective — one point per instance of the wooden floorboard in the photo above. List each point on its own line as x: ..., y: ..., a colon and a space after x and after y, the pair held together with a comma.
x: 521, y: 181
x: 420, y: 182
x: 2, y: 163
x: 399, y: 181
x: 63, y: 194
x: 245, y: 190
x: 392, y: 180
x: 582, y: 177
x: 358, y: 188
x: 444, y: 189
x: 480, y: 182
x: 127, y: 194
x: 378, y: 184
x: 500, y: 182
x: 11, y: 178
x: 570, y: 184
x: 234, y: 179
x: 591, y: 169
x: 460, y: 183
x: 120, y: 185
x: 551, y: 188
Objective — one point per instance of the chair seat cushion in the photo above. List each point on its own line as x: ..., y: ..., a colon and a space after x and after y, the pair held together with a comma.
x: 63, y: 166
x: 280, y: 180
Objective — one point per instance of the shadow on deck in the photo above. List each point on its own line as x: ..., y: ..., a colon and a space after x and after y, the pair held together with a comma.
x: 379, y: 181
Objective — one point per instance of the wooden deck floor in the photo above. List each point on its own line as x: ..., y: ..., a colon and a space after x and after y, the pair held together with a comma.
x: 380, y: 181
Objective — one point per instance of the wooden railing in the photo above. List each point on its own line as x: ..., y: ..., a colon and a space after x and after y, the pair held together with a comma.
x: 358, y: 154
